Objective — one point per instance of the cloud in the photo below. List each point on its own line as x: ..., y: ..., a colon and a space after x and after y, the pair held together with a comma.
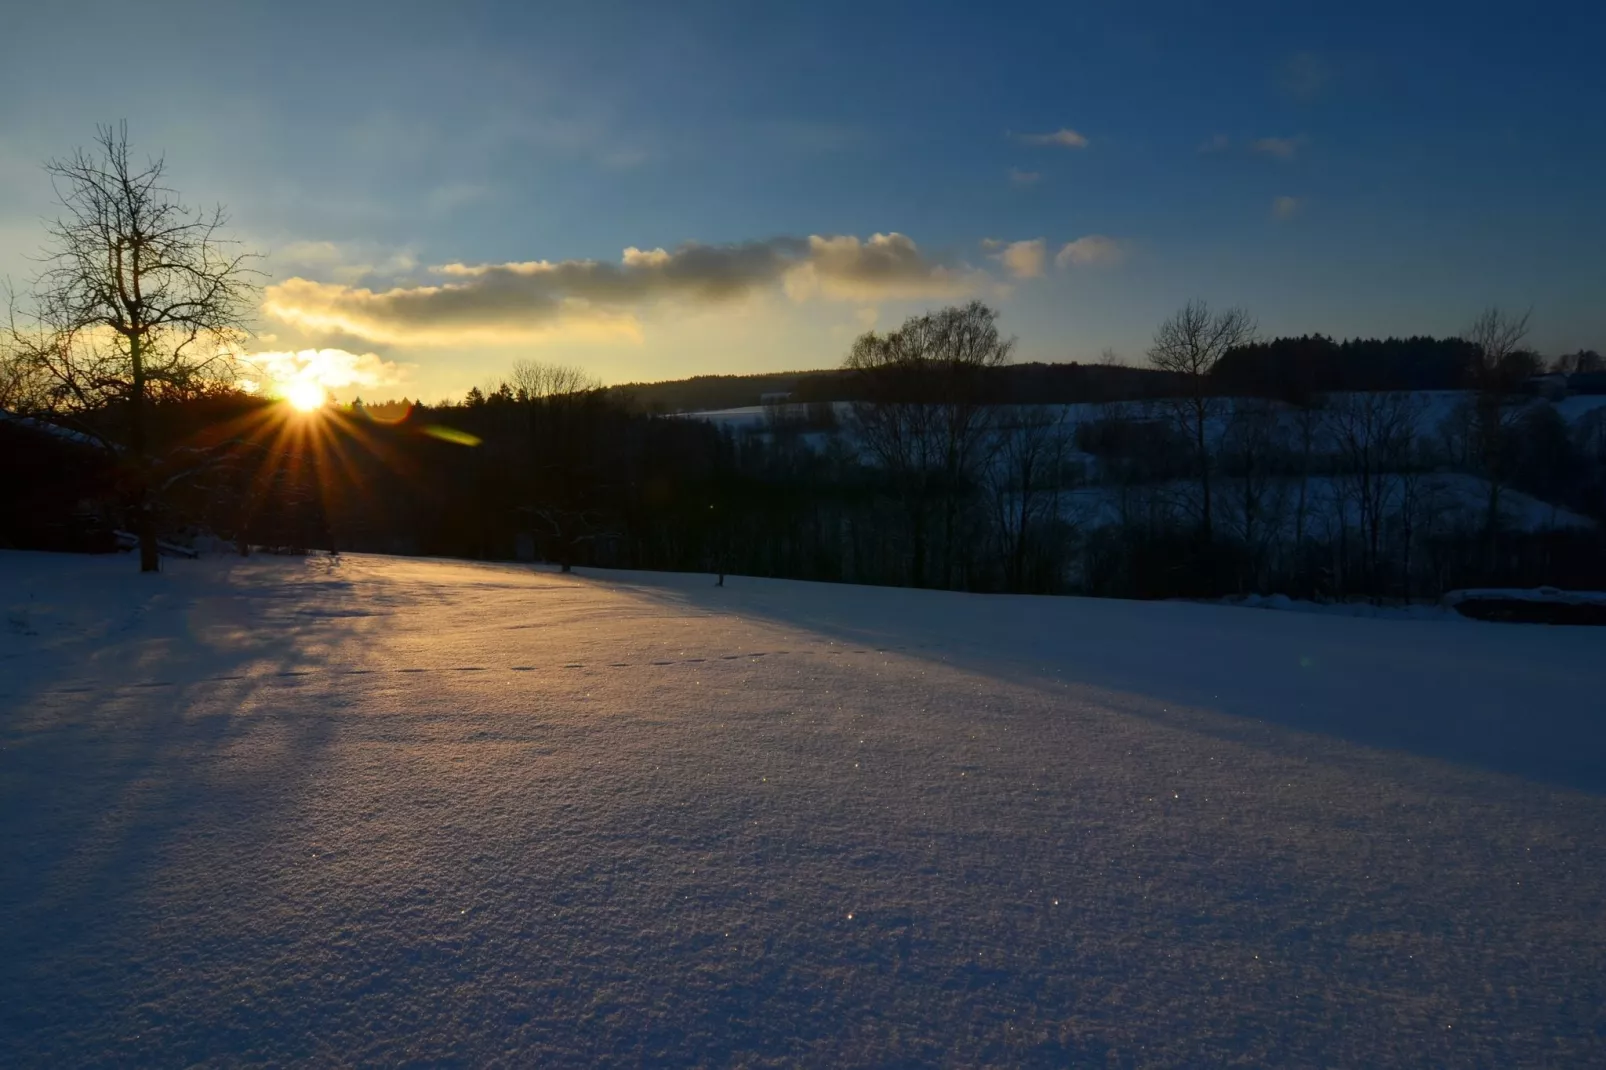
x: 504, y: 303
x: 1287, y: 207
x: 1024, y: 178
x: 886, y: 266
x: 1284, y: 148
x: 1090, y: 250
x: 332, y: 369
x: 341, y: 261
x: 1064, y: 137
x: 1218, y: 143
x: 1022, y: 259
x: 1304, y: 74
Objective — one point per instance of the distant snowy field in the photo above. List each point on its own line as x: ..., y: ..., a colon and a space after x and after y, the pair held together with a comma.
x: 432, y: 813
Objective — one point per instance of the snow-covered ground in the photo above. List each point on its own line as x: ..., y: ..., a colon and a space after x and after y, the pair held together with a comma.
x: 1429, y: 409
x: 393, y: 811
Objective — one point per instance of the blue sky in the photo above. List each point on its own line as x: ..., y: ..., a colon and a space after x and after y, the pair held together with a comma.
x: 1379, y: 169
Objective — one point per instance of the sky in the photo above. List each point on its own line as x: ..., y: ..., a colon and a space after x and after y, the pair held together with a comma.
x: 652, y: 190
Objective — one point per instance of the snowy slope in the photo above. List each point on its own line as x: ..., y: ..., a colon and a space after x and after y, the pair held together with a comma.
x: 1446, y: 501
x: 440, y: 813
x: 1431, y: 408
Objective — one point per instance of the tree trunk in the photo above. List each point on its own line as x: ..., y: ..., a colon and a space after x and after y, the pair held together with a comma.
x: 1018, y: 557
x: 917, y: 532
x: 1491, y: 523
x: 144, y: 522
x: 1408, y: 526
x: 1492, y: 435
x: 1204, y: 469
x: 948, y: 539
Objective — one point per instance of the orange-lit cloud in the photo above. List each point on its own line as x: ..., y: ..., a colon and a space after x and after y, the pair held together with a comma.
x: 1022, y: 259
x: 493, y: 313
x: 512, y: 302
x: 885, y: 267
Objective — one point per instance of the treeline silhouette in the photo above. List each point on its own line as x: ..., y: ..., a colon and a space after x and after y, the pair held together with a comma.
x: 1027, y: 383
x: 1288, y: 368
x: 1393, y: 468
x: 1299, y: 465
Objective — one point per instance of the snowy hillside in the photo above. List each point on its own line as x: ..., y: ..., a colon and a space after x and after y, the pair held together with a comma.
x: 396, y: 811
x: 1449, y: 500
x: 1430, y: 408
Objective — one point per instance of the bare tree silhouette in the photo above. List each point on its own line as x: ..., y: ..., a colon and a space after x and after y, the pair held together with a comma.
x: 1190, y: 344
x: 140, y: 299
x: 1497, y: 365
x: 927, y: 419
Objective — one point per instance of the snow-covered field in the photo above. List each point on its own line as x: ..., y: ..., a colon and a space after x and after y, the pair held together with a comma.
x: 404, y: 812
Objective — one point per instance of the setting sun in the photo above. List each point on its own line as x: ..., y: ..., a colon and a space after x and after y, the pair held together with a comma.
x: 305, y: 396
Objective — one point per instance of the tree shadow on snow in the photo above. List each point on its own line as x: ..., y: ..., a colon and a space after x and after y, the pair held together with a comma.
x: 103, y: 778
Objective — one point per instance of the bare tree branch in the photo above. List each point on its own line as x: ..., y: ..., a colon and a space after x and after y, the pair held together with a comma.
x: 926, y: 417
x: 139, y: 299
x: 533, y: 380
x: 1190, y: 344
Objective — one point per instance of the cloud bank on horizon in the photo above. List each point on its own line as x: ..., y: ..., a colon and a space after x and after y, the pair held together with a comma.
x: 517, y: 302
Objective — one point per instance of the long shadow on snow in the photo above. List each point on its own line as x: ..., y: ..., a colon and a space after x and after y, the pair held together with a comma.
x: 1509, y: 699
x: 100, y: 788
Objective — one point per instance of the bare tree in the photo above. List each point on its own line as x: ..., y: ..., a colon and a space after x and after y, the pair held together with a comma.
x: 1190, y: 344
x: 1497, y: 339
x: 1374, y: 436
x: 967, y: 346
x: 1583, y: 361
x: 140, y: 299
x: 896, y: 425
x: 533, y: 380
x: 1307, y: 422
x: 22, y: 388
x: 926, y: 418
x: 565, y: 414
x: 1252, y: 441
x: 1424, y: 501
x: 1024, y: 478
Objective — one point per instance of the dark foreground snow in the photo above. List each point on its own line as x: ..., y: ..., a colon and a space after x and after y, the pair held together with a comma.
x: 407, y: 812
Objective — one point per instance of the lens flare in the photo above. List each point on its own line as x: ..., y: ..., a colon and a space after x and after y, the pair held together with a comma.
x: 305, y: 396
x: 451, y: 434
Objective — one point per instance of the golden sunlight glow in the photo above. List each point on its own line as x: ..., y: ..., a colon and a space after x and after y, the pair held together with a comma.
x: 305, y: 396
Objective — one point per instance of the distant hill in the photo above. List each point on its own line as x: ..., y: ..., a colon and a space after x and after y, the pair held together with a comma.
x: 1280, y: 367
x: 1015, y: 383
x: 704, y: 392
